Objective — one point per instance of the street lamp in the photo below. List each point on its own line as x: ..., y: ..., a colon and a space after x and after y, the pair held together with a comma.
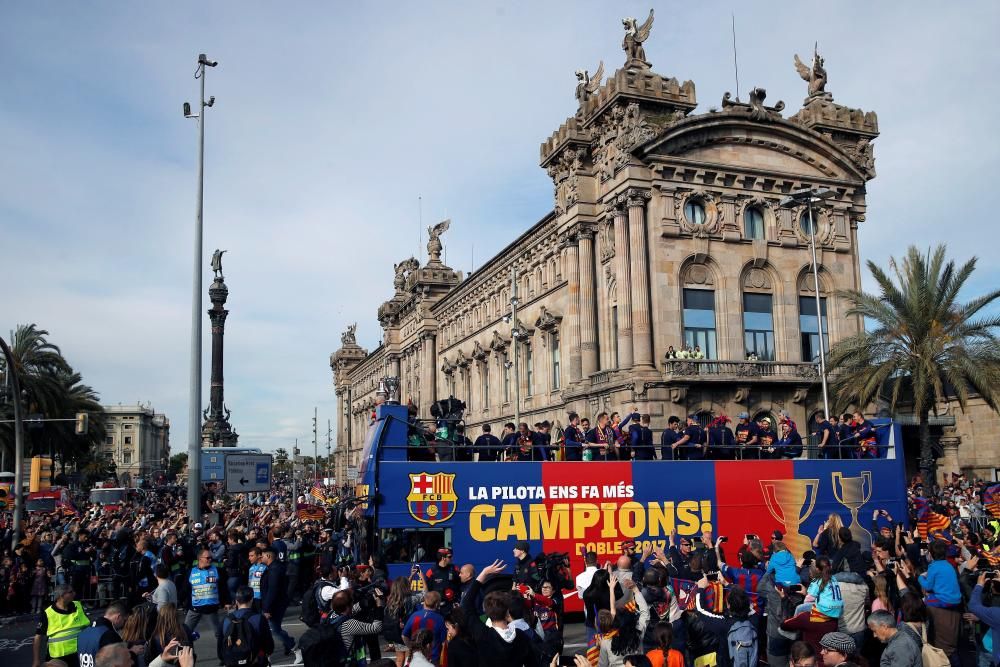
x: 809, y: 197
x: 194, y: 408
x: 15, y: 385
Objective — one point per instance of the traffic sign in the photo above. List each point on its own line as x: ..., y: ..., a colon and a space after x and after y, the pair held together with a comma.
x: 213, y: 466
x: 248, y: 473
x: 352, y: 474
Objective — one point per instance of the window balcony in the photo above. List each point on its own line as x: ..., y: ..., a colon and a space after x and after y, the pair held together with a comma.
x: 711, y: 370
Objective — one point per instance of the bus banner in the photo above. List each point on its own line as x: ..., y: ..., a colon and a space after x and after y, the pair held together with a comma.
x: 594, y: 506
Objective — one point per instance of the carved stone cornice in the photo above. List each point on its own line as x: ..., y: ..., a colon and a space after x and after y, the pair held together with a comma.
x: 499, y: 344
x: 548, y: 321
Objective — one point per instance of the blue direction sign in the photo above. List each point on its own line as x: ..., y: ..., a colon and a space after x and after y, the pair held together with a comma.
x: 213, y: 466
x: 248, y: 473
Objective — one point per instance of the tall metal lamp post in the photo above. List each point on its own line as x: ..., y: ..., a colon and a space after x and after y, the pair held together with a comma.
x: 194, y: 408
x: 809, y: 197
x: 15, y: 385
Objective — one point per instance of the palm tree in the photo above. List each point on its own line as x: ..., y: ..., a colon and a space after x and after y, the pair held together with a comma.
x: 52, y: 388
x: 925, y: 346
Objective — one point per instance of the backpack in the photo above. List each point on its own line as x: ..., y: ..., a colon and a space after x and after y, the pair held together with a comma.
x: 742, y: 640
x: 239, y: 645
x: 311, y: 614
x: 323, y: 646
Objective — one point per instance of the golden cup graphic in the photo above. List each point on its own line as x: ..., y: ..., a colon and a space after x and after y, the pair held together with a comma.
x: 853, y: 493
x: 791, y: 501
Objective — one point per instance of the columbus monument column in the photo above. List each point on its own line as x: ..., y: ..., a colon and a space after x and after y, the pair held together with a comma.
x: 216, y: 430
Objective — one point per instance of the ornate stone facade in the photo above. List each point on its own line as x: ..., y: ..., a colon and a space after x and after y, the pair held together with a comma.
x: 653, y: 203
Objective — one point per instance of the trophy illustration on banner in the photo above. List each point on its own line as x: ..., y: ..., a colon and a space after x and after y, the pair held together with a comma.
x: 790, y: 502
x: 853, y: 493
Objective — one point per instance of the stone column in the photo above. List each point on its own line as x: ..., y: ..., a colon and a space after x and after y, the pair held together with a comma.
x: 588, y: 304
x: 948, y: 463
x: 572, y: 336
x: 428, y: 379
x: 642, y: 342
x: 623, y: 280
x: 394, y: 368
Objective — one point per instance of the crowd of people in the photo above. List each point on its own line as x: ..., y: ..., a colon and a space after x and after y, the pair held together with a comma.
x: 612, y: 437
x: 920, y: 597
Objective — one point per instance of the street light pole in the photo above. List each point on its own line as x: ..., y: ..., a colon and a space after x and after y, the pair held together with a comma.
x: 810, y: 197
x: 15, y: 385
x: 819, y: 311
x: 194, y: 407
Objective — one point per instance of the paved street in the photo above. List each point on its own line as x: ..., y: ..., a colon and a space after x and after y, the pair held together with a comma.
x: 16, y: 640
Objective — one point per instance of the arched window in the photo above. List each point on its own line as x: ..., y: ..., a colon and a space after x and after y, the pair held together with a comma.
x: 699, y: 322
x: 753, y: 223
x: 758, y: 326
x: 809, y: 327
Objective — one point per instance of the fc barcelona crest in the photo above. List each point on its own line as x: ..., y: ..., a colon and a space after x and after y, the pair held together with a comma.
x: 432, y: 498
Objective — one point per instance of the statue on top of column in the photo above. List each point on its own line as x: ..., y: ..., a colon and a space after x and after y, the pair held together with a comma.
x: 635, y: 35
x: 217, y: 264
x: 434, y: 246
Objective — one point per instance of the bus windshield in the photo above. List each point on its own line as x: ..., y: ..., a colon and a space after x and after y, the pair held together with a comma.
x: 108, y: 496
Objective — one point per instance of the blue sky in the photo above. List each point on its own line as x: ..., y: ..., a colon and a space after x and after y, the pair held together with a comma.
x: 333, y: 118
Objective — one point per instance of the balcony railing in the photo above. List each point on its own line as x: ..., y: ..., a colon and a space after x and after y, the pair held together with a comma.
x: 711, y: 370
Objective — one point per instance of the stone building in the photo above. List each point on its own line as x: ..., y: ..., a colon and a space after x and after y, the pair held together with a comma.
x: 667, y: 228
x: 137, y: 439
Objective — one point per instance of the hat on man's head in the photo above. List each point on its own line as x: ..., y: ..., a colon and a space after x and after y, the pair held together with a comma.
x: 743, y: 415
x: 444, y: 551
x: 198, y: 526
x: 326, y: 593
x: 523, y: 546
x: 839, y: 642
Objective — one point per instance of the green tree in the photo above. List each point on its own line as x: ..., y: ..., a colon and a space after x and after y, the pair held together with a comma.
x: 281, y: 463
x: 177, y: 463
x: 52, y: 388
x: 925, y: 345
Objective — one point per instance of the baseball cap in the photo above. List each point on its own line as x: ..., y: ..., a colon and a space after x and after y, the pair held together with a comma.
x: 444, y: 551
x: 743, y: 415
x: 326, y: 593
x: 198, y: 526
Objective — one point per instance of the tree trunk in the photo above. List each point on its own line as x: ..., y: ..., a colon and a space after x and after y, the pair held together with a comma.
x: 927, y: 461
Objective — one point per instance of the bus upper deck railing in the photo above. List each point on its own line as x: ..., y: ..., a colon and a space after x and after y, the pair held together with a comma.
x: 424, y: 444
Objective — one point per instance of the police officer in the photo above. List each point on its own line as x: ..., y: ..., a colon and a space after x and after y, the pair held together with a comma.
x: 204, y: 581
x: 102, y: 632
x: 59, y: 627
x: 80, y: 555
x: 443, y: 578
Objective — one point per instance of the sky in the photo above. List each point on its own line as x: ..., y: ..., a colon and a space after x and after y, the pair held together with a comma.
x: 338, y: 125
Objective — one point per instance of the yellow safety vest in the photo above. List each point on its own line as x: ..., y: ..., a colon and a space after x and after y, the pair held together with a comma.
x: 63, y: 629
